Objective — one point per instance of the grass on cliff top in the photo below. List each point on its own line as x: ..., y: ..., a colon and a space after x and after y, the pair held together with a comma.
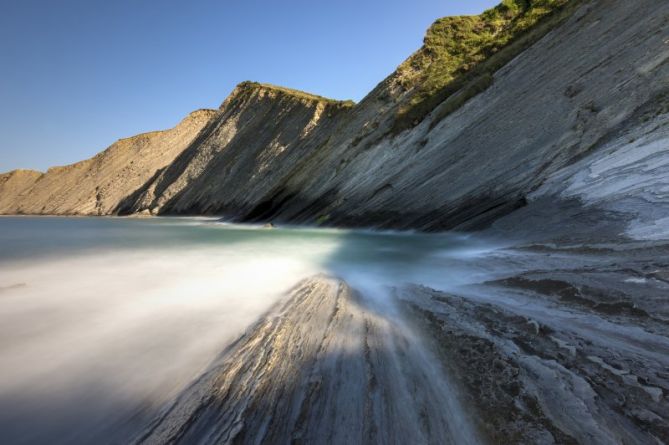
x: 454, y: 46
x: 296, y: 93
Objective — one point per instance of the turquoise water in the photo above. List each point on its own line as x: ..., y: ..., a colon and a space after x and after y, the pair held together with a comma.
x: 103, y: 320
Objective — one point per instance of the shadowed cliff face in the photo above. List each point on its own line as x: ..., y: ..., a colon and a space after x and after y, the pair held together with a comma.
x: 561, y: 98
x: 261, y: 133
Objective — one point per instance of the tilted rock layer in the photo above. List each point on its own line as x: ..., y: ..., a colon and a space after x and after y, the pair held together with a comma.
x: 491, y: 123
x: 326, y: 366
x: 97, y: 185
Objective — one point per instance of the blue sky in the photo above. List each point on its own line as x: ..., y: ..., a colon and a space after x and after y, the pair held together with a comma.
x: 76, y: 75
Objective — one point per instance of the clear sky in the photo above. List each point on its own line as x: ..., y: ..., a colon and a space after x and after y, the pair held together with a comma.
x: 76, y: 75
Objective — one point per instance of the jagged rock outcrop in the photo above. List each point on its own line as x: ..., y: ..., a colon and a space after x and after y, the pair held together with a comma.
x: 96, y: 186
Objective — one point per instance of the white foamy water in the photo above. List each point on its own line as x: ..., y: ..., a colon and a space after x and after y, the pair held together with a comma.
x: 102, y: 321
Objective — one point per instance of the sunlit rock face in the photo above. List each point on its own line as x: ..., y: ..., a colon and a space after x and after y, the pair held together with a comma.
x: 97, y: 185
x: 628, y: 176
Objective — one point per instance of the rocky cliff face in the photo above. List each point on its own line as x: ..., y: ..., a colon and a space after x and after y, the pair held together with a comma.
x: 13, y: 187
x: 455, y: 138
x: 95, y: 186
x: 260, y: 134
x: 562, y: 98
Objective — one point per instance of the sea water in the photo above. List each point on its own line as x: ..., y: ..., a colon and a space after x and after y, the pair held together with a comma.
x: 105, y: 320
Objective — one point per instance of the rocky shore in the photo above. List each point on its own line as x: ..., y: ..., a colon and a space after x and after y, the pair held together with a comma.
x: 567, y: 344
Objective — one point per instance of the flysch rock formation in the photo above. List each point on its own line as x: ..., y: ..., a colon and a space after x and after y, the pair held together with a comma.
x: 326, y: 366
x: 260, y: 134
x: 534, y: 357
x: 591, y: 70
x: 556, y: 142
x: 95, y: 186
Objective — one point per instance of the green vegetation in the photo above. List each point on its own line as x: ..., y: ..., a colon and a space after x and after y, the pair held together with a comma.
x: 460, y: 54
x: 295, y: 93
x: 322, y: 220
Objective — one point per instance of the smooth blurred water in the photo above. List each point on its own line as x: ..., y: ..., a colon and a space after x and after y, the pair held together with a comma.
x: 103, y: 320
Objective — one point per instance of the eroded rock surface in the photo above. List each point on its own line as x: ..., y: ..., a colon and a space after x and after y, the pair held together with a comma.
x: 96, y: 186
x: 564, y: 345
x: 327, y: 366
x: 596, y: 72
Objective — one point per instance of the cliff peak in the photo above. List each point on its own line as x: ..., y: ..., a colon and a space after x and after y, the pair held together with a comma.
x: 23, y: 172
x: 250, y: 87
